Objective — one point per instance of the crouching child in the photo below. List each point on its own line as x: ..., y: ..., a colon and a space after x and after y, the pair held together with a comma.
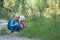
x: 14, y: 24
x: 22, y: 18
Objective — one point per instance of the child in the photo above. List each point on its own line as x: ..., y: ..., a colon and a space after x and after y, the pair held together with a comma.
x: 14, y: 24
x: 22, y: 18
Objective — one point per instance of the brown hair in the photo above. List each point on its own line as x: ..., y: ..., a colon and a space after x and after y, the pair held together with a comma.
x: 14, y: 16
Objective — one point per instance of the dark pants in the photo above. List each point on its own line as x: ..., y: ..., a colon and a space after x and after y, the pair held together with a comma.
x: 13, y: 29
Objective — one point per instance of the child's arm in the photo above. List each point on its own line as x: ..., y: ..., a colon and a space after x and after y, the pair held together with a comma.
x: 11, y: 23
x: 24, y: 26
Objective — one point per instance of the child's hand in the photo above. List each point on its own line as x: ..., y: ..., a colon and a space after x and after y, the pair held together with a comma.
x: 25, y: 26
x: 16, y: 23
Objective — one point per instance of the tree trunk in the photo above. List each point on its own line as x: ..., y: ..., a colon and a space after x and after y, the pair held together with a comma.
x: 1, y: 4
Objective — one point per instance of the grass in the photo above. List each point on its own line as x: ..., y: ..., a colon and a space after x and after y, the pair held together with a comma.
x: 4, y: 31
x: 45, y: 29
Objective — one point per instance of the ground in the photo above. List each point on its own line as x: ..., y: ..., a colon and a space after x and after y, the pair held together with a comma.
x: 7, y: 37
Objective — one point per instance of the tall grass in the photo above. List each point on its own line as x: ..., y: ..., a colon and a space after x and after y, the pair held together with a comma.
x: 43, y: 28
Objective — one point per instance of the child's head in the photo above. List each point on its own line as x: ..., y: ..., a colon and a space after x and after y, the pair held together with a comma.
x: 16, y: 17
x: 22, y: 18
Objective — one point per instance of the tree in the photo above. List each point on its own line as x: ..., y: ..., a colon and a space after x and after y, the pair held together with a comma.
x: 1, y: 4
x: 41, y: 4
x: 16, y: 6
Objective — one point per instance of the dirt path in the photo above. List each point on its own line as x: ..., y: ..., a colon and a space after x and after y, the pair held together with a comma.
x: 3, y: 23
x: 13, y: 38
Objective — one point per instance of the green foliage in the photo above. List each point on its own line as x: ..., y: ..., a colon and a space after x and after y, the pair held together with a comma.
x: 3, y: 31
x: 39, y: 25
x: 1, y: 4
x: 4, y: 14
x: 45, y: 29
